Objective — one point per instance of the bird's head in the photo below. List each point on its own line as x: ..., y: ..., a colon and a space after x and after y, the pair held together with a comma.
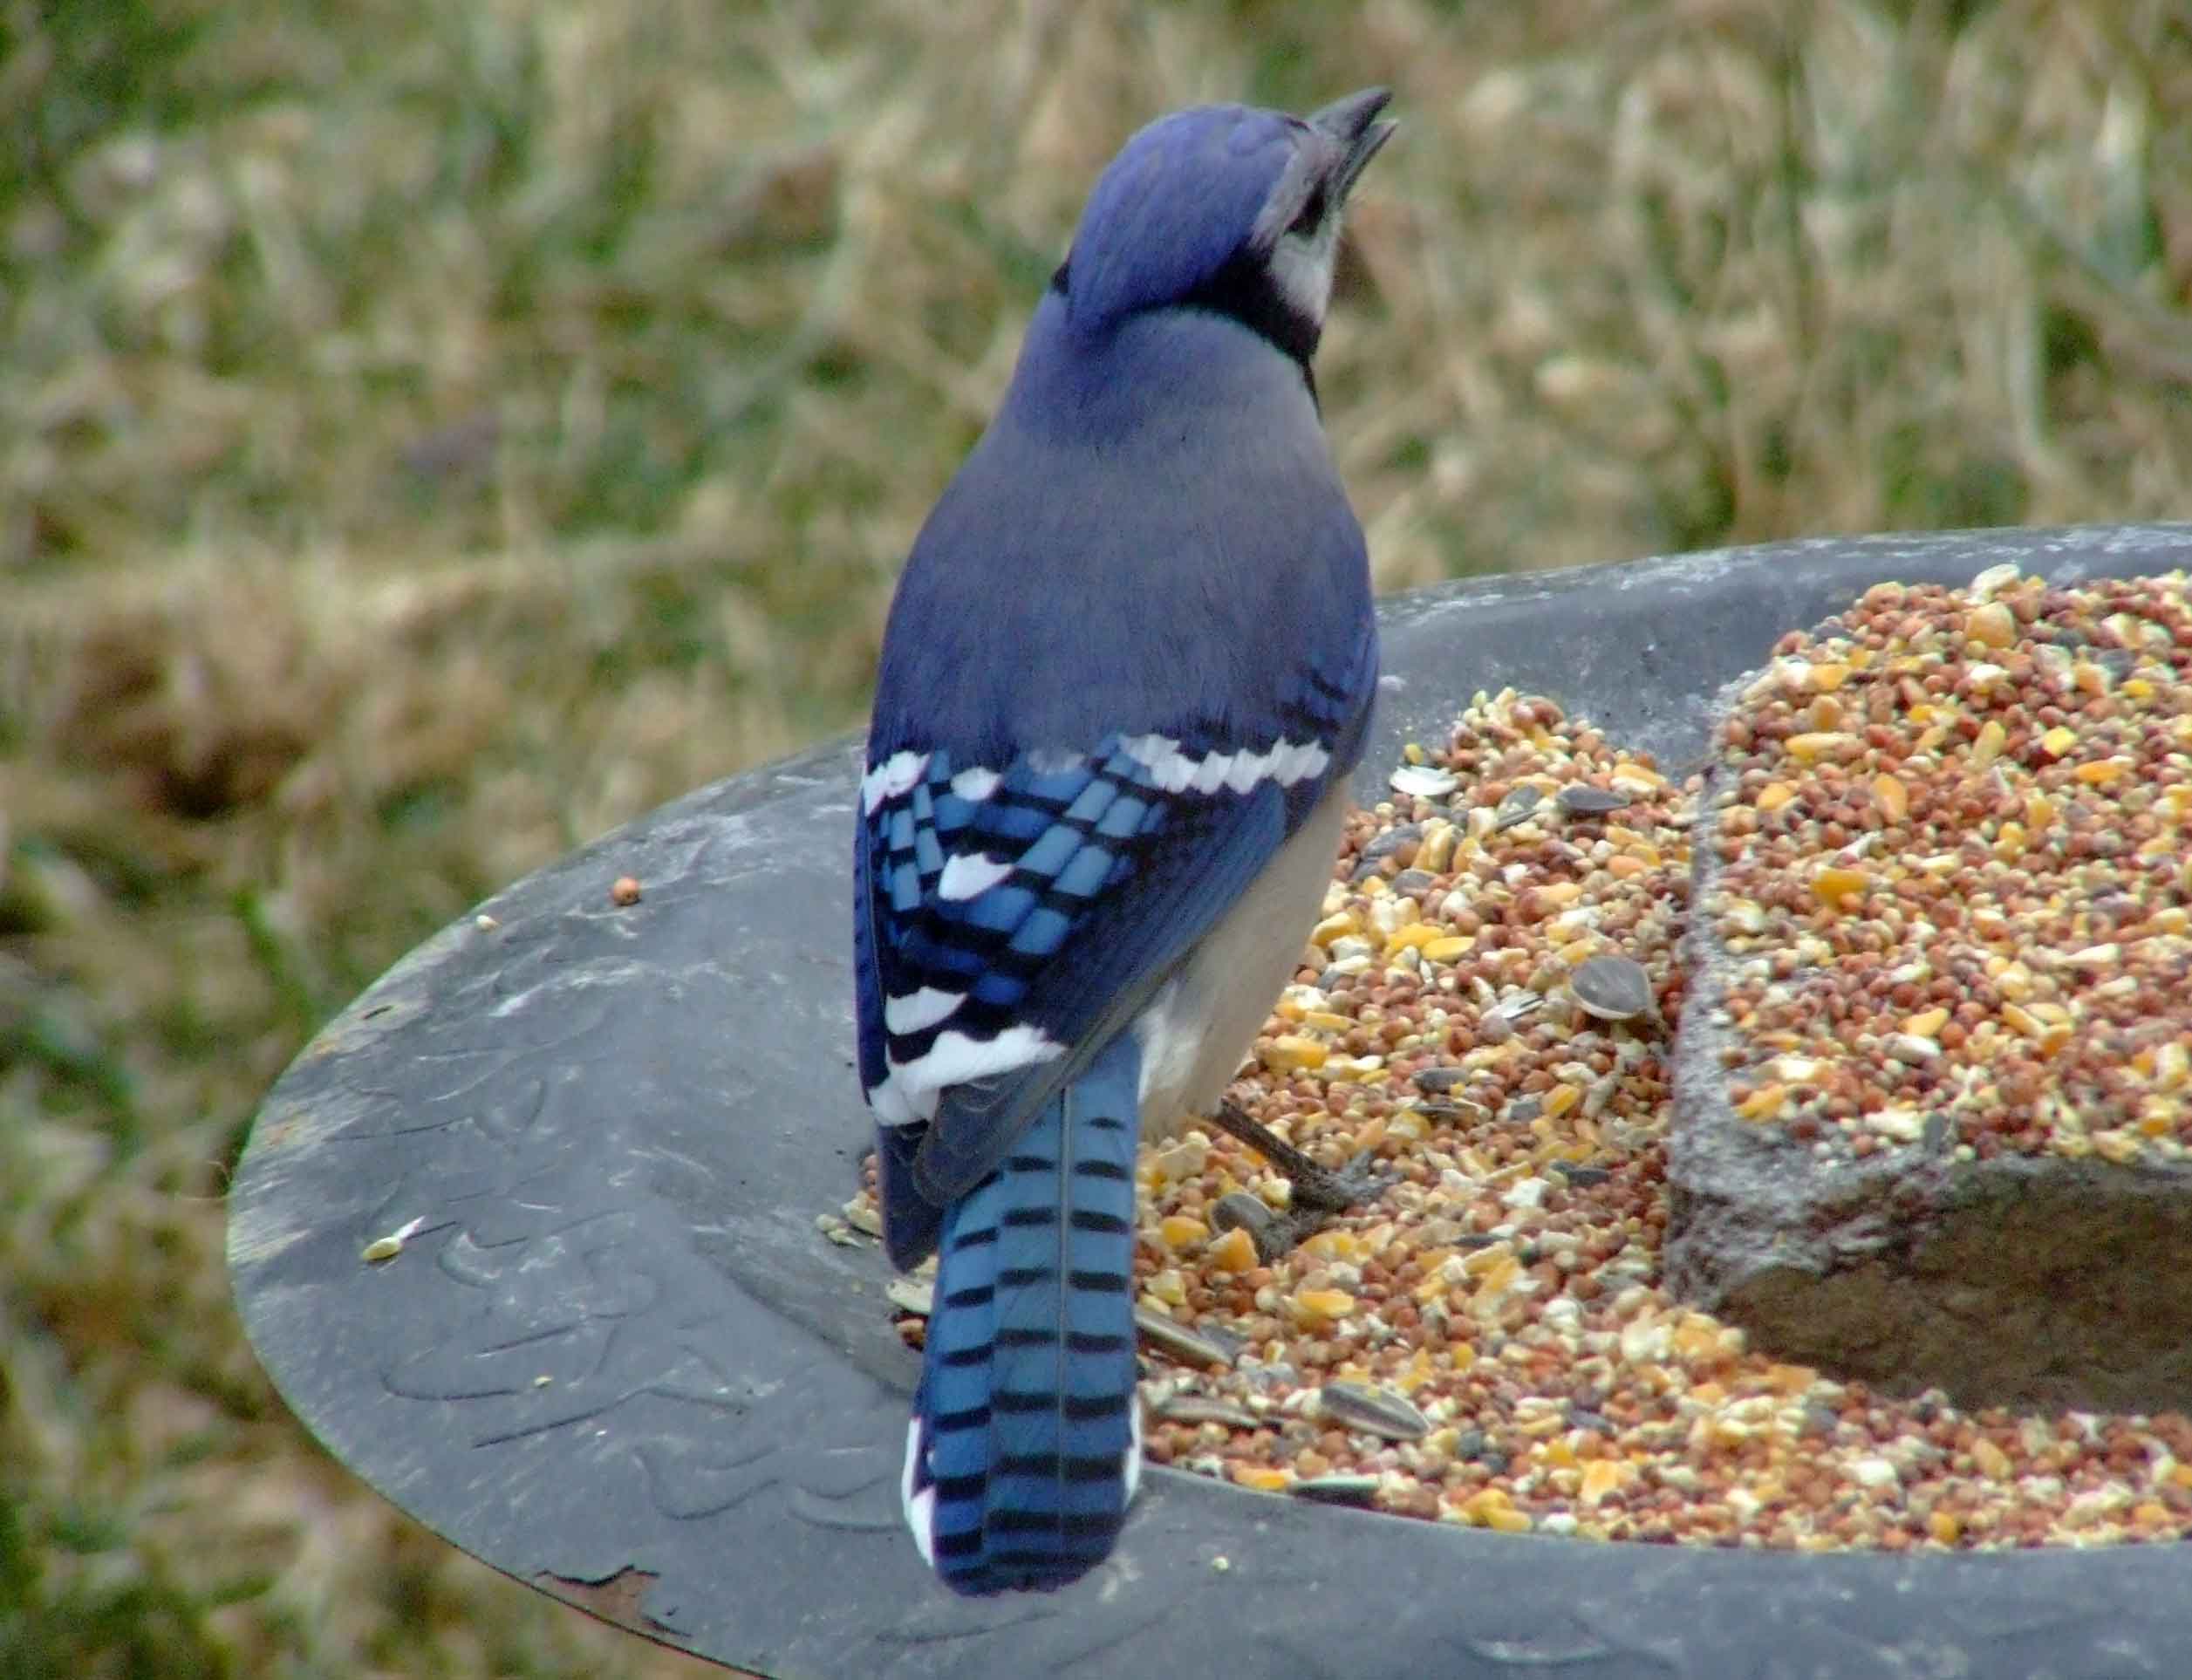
x: 1227, y: 208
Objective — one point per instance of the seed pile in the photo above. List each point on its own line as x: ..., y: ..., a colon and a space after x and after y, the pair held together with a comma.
x: 1955, y: 868
x: 1482, y: 1013
x: 1490, y: 1343
x: 1458, y: 1348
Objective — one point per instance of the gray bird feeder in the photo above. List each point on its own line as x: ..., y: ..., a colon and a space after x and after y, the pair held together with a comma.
x: 611, y: 1355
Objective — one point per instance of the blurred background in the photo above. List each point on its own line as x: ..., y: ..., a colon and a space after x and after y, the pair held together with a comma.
x: 430, y: 435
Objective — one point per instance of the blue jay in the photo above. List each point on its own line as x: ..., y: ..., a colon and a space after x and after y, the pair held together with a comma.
x: 1127, y: 671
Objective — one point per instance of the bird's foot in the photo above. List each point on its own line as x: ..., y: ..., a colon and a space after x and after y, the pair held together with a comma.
x: 1319, y: 1191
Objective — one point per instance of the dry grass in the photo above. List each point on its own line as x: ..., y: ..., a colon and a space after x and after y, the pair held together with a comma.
x: 429, y: 435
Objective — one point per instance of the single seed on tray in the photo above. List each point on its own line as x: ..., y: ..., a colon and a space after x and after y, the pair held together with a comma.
x: 1612, y: 989
x: 1581, y: 799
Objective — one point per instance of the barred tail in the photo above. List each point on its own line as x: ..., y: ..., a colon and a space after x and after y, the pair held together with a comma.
x: 1025, y: 1438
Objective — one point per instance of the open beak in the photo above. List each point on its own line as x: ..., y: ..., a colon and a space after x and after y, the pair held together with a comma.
x: 1353, y: 122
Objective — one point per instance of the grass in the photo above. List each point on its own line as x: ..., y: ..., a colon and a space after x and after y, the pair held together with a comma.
x: 430, y: 435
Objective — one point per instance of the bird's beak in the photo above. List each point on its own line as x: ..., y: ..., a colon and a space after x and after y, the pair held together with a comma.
x: 1353, y: 122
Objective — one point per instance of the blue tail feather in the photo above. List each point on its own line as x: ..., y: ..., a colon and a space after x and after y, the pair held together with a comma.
x: 1025, y: 1441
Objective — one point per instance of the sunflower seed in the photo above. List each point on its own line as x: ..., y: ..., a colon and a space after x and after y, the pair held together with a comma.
x: 1199, y: 1409
x: 1519, y: 1003
x: 1201, y: 1346
x: 1406, y: 834
x: 1378, y: 1411
x: 1424, y: 781
x: 1581, y: 799
x: 1612, y: 989
x: 1517, y: 807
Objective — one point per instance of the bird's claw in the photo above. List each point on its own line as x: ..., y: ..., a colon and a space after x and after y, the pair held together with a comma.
x: 1318, y: 1190
x: 1327, y: 1191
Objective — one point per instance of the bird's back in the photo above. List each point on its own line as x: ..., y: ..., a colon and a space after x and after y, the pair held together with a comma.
x: 1152, y: 536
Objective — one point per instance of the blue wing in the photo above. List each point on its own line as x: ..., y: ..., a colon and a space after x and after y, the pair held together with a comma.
x: 1011, y: 922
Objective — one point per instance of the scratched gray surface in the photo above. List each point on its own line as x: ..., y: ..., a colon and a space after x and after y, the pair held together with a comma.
x: 617, y: 1352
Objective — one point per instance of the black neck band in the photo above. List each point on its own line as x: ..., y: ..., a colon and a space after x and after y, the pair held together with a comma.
x: 1244, y: 291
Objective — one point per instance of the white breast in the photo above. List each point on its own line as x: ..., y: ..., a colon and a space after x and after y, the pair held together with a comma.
x: 1198, y: 1027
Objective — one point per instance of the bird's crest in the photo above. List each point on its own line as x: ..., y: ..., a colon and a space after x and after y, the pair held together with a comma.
x: 1203, y: 189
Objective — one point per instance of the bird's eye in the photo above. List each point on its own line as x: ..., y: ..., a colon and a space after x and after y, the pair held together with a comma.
x: 1312, y: 214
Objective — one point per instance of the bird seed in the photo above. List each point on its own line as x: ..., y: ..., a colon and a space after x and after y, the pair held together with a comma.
x: 1508, y: 1284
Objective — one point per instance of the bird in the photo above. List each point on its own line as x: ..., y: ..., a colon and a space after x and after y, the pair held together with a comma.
x: 1128, y: 666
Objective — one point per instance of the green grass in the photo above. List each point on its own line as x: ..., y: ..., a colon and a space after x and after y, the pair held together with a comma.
x: 430, y: 435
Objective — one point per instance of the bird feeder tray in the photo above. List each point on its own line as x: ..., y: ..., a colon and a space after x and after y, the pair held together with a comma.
x: 528, y: 1238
